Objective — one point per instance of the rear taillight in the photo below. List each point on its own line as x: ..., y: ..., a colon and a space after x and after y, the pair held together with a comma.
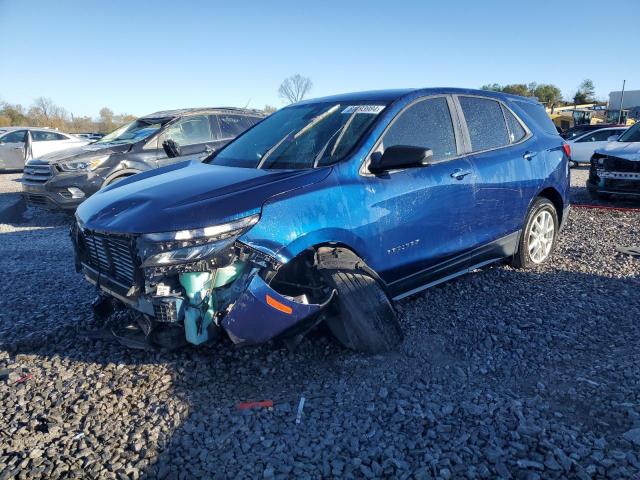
x: 567, y: 149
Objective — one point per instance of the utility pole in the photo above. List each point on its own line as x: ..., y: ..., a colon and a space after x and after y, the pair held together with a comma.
x: 621, y: 99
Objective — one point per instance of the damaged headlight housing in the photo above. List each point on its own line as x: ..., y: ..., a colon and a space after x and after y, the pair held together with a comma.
x: 83, y: 165
x: 186, y: 246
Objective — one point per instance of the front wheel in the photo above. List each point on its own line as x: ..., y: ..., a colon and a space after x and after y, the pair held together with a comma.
x: 539, y: 236
x: 365, y: 320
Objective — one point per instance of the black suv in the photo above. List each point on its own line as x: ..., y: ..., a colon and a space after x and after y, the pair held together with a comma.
x: 65, y: 179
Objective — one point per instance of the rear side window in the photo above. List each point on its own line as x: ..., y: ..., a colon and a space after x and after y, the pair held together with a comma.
x: 14, y: 137
x: 40, y: 136
x: 516, y: 130
x: 539, y: 116
x: 597, y: 136
x: 426, y: 124
x: 485, y: 122
x: 233, y: 125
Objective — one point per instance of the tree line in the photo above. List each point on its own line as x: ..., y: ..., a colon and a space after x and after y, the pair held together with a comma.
x: 548, y: 93
x: 43, y: 112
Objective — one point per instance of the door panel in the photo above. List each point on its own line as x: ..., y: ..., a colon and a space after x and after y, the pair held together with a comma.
x: 509, y: 170
x: 12, y: 150
x: 419, y: 217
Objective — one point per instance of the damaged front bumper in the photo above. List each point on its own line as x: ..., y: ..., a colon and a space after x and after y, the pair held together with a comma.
x: 261, y: 313
x: 613, y: 175
x: 225, y: 291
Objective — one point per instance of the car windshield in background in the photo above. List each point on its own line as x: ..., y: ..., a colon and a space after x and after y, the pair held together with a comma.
x: 631, y: 135
x: 303, y: 136
x: 134, y: 131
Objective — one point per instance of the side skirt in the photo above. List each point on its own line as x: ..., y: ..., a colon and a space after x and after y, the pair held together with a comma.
x: 456, y: 266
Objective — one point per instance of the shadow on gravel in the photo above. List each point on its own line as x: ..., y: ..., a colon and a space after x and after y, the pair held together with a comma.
x: 15, y: 211
x: 477, y: 351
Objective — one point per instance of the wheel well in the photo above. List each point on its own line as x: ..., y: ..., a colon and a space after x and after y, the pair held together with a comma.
x: 302, y: 270
x: 118, y: 175
x: 554, y: 197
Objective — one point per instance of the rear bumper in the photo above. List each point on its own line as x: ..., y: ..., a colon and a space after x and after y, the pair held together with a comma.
x: 54, y: 192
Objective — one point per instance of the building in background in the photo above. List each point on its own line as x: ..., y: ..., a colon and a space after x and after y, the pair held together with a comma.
x: 630, y: 106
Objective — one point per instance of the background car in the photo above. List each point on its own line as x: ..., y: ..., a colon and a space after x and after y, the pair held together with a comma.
x: 65, y: 179
x: 93, y: 136
x: 583, y: 146
x: 615, y: 168
x: 19, y: 144
x: 574, y: 132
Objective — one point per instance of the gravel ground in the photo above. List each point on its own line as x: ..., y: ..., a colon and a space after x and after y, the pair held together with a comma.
x: 503, y: 374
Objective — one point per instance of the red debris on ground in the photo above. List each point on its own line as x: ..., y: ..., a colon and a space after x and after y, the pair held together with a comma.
x: 25, y: 378
x: 261, y: 404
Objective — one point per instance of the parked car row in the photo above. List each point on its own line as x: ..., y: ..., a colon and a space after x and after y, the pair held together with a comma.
x: 19, y: 144
x: 65, y: 179
x: 327, y: 210
x: 221, y: 221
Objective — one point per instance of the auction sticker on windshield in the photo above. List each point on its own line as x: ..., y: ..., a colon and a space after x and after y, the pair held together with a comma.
x: 372, y: 109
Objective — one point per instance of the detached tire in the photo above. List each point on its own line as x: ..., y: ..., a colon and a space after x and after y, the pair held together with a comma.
x: 365, y: 320
x: 538, y: 239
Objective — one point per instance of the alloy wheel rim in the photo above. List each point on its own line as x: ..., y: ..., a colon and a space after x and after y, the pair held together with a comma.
x: 541, y: 236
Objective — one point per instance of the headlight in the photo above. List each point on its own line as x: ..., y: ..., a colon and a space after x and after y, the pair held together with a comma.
x: 82, y: 165
x: 184, y: 246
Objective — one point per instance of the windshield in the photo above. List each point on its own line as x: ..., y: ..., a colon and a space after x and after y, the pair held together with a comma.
x: 134, y: 131
x: 631, y: 135
x: 303, y: 136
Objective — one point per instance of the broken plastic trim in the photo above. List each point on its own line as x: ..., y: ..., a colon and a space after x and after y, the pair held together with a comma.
x: 261, y: 313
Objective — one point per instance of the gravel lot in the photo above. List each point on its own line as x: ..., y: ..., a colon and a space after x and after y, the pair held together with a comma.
x: 503, y: 374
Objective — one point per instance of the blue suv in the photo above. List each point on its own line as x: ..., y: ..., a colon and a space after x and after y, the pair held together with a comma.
x: 328, y: 210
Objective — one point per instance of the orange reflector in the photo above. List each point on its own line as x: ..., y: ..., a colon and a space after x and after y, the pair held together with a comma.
x: 278, y: 306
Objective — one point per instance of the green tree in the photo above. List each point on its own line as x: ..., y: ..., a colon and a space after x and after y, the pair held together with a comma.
x: 493, y: 87
x: 548, y: 94
x: 269, y: 109
x: 517, y: 89
x: 586, y: 92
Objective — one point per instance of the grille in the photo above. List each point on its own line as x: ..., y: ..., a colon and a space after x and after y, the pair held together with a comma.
x: 166, y: 309
x: 621, y: 165
x: 36, y: 173
x: 111, y: 255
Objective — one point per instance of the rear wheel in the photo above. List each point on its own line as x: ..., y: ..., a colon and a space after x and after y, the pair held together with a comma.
x: 364, y: 319
x: 539, y: 236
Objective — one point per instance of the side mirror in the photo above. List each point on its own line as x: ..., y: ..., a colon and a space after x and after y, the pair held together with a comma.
x: 613, y: 138
x: 171, y: 148
x: 400, y: 156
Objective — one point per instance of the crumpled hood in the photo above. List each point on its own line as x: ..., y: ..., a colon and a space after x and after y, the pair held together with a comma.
x: 626, y: 150
x: 85, y: 151
x: 187, y: 195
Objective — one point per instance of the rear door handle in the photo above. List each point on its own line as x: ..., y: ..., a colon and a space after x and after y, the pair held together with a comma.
x: 459, y: 174
x: 529, y: 155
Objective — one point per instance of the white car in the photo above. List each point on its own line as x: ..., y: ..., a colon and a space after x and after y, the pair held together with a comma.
x: 19, y: 144
x: 583, y: 146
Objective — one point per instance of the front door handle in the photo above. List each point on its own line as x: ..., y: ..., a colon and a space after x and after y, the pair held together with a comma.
x: 459, y: 174
x: 529, y: 155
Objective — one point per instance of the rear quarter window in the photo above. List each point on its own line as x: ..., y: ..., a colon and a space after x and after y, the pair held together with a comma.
x: 539, y: 116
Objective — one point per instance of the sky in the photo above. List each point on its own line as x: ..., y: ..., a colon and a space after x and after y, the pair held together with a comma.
x: 141, y: 56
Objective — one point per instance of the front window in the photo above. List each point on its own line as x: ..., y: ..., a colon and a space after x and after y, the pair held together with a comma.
x: 631, y: 135
x: 134, y: 131
x: 301, y: 136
